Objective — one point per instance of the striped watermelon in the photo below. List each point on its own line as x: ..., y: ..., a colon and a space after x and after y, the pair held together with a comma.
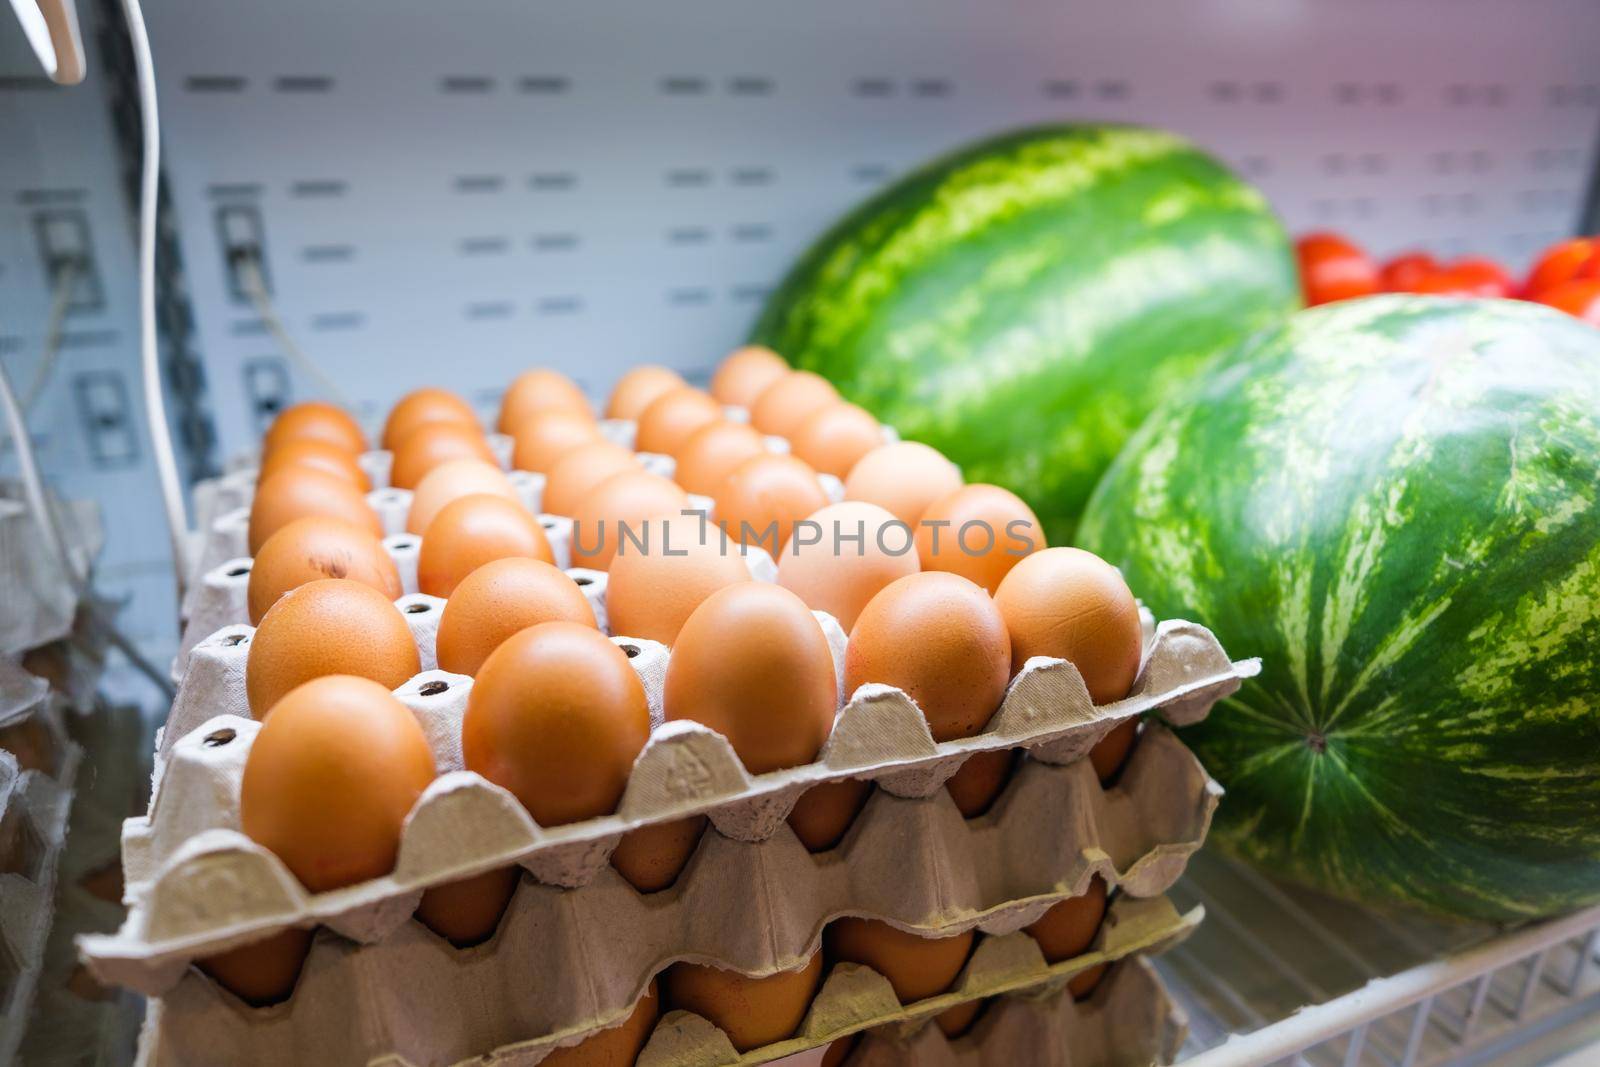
x: 1022, y: 304
x: 1396, y: 502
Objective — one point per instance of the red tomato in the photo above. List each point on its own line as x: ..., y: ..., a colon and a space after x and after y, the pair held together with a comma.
x: 1577, y: 258
x: 1402, y: 274
x: 1579, y: 297
x: 1469, y: 276
x: 1332, y: 268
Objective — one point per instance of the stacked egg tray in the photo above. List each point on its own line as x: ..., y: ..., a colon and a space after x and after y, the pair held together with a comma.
x: 39, y: 606
x: 35, y: 797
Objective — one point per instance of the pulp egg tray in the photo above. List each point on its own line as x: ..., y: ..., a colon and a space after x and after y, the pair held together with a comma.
x: 35, y: 799
x: 414, y: 1000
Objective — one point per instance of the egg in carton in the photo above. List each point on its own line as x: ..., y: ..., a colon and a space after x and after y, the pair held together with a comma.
x: 414, y: 1000
x: 1139, y: 834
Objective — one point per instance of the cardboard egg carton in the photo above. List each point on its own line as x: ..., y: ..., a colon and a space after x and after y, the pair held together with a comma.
x: 34, y: 804
x: 413, y: 1000
x: 40, y: 606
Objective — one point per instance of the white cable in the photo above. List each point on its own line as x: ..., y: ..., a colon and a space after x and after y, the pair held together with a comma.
x: 149, y: 354
x: 248, y: 268
x: 66, y: 278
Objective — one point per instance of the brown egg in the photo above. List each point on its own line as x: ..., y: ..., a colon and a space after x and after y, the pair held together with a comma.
x: 710, y: 453
x: 742, y: 376
x: 905, y: 477
x: 629, y: 504
x: 313, y: 548
x: 1081, y: 986
x: 651, y: 594
x: 432, y: 444
x: 423, y: 406
x: 449, y: 482
x: 980, y: 780
x: 958, y: 1020
x: 1069, y: 927
x: 939, y: 638
x: 314, y: 420
x: 863, y: 549
x: 635, y: 390
x: 1111, y: 751
x: 330, y: 626
x: 759, y: 502
x: 979, y: 532
x: 752, y: 664
x: 652, y: 857
x: 576, y: 474
x: 782, y: 407
x: 918, y: 967
x: 296, y: 493
x: 617, y: 1047
x: 671, y: 417
x: 547, y: 436
x: 467, y: 911
x: 1073, y: 605
x: 318, y: 455
x: 752, y: 1011
x: 833, y: 438
x: 330, y: 779
x: 261, y: 972
x: 474, y: 530
x: 498, y: 600
x: 557, y: 716
x: 839, y: 1051
x: 823, y: 814
x: 539, y: 391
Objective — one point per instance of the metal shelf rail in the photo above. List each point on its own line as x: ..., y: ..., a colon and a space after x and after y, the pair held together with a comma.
x: 1279, y: 975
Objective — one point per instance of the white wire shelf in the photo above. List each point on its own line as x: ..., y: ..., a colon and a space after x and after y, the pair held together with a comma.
x: 1304, y: 980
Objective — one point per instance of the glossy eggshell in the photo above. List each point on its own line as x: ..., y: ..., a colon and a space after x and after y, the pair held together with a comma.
x: 752, y: 663
x: 745, y: 373
x: 833, y: 438
x: 451, y: 481
x: 627, y: 504
x: 313, y: 548
x: 318, y: 455
x: 429, y: 445
x: 762, y: 498
x: 557, y: 716
x: 617, y: 1047
x: 1071, y: 604
x: 651, y: 594
x: 751, y: 1011
x: 315, y: 420
x: 474, y: 530
x: 422, y: 406
x: 863, y: 549
x: 782, y: 407
x: 939, y: 638
x: 498, y: 600
x: 711, y: 453
x: 979, y: 532
x: 329, y: 626
x: 540, y: 390
x: 467, y: 911
x: 823, y: 814
x: 1069, y: 927
x: 262, y: 972
x: 330, y: 778
x: 538, y: 441
x: 917, y: 967
x: 980, y: 780
x: 671, y: 417
x: 905, y: 477
x: 296, y: 493
x: 651, y: 857
x: 636, y: 389
x: 576, y: 474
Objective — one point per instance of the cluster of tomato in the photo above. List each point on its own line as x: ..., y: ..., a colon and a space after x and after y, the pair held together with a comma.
x: 1566, y: 276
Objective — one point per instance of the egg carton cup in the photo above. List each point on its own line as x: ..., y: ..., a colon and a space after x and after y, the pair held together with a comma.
x: 414, y: 1000
x: 1128, y: 1021
x: 34, y: 806
x: 40, y: 605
